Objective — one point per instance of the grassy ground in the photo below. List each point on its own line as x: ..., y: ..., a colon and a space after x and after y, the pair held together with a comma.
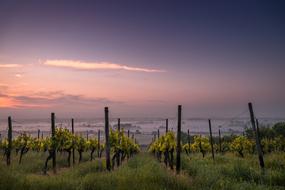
x: 232, y: 172
x: 143, y: 172
x: 140, y: 172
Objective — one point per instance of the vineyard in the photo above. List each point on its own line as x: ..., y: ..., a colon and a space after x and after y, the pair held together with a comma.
x: 66, y: 160
x: 64, y: 142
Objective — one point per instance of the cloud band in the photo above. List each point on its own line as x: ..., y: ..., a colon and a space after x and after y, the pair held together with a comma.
x: 78, y: 65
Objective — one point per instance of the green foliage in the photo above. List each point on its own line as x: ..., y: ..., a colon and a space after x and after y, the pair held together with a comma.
x: 272, y: 139
x: 80, y: 144
x: 4, y: 144
x: 92, y: 144
x: 201, y: 143
x: 119, y: 142
x: 163, y: 143
x: 186, y: 148
x: 266, y: 132
x: 65, y: 141
x: 241, y: 145
x: 268, y: 145
x: 279, y: 129
x: 164, y: 146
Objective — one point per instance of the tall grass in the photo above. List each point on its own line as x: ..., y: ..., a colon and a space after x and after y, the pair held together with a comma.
x: 144, y: 172
x: 140, y: 172
x: 231, y: 172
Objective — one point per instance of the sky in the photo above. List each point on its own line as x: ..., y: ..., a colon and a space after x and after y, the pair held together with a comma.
x: 141, y: 58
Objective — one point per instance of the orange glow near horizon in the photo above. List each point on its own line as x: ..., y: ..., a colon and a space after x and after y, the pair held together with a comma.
x: 7, y: 103
x: 12, y: 103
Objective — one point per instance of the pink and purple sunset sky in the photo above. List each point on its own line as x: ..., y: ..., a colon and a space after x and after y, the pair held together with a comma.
x: 141, y: 58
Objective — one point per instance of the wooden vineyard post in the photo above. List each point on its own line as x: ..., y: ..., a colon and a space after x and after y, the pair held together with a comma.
x: 72, y: 130
x: 157, y: 133
x: 119, y: 124
x: 211, y: 139
x: 188, y: 137
x: 178, y: 150
x: 119, y: 152
x: 258, y: 132
x: 9, y: 141
x: 257, y: 141
x: 128, y: 133
x: 99, y: 154
x: 188, y: 140
x: 201, y: 148
x: 39, y: 131
x: 107, y: 145
x: 53, y: 142
x: 87, y: 135
x: 166, y: 125
x: 220, y: 140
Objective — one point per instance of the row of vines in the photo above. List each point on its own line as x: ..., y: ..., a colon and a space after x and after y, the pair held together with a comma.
x: 239, y: 145
x: 64, y: 141
x: 165, y: 146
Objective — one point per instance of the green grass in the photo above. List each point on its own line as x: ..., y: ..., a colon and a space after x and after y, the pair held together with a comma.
x: 140, y: 172
x: 144, y: 172
x: 232, y: 172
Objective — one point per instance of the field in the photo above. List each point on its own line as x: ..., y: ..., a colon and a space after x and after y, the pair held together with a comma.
x: 144, y: 171
x: 142, y: 95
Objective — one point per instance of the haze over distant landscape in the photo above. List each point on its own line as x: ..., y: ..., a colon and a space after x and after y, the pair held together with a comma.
x: 141, y: 58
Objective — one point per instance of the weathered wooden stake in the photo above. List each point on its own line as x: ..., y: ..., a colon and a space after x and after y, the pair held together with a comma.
x: 39, y: 131
x: 157, y: 133
x: 188, y: 137
x: 53, y: 138
x: 258, y: 133
x: 257, y: 141
x: 188, y: 140
x: 107, y: 145
x: 220, y: 140
x: 9, y: 141
x: 178, y: 150
x: 166, y: 125
x: 119, y: 153
x: 128, y: 133
x: 87, y: 134
x: 119, y: 124
x: 211, y: 139
x: 72, y: 130
x: 99, y: 143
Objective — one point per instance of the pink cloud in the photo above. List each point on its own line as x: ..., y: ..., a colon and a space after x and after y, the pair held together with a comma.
x: 10, y: 65
x: 79, y: 65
